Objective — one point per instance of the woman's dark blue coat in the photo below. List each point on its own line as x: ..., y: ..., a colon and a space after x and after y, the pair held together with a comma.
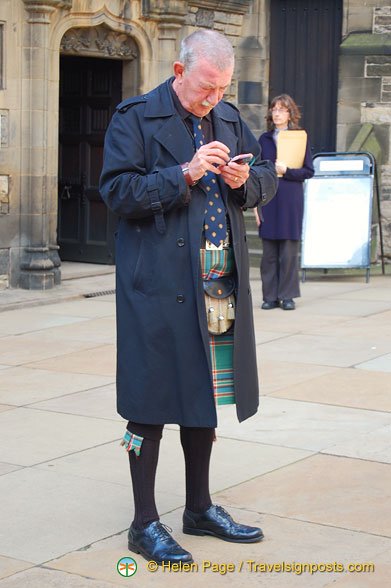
x: 163, y: 358
x: 283, y: 216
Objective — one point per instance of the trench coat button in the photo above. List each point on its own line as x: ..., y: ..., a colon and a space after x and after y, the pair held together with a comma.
x: 180, y: 242
x: 180, y: 298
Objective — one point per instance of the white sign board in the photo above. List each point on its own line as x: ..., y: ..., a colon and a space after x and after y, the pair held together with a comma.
x: 337, y: 222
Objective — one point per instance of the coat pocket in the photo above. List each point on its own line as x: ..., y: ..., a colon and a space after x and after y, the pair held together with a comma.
x: 143, y: 277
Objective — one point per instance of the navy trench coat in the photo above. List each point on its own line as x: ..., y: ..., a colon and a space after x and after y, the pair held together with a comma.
x: 283, y: 216
x: 163, y: 357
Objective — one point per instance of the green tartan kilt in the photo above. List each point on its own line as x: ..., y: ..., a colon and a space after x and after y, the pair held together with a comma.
x: 215, y: 264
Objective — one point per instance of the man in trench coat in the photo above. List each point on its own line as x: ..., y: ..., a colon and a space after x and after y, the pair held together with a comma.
x: 155, y: 178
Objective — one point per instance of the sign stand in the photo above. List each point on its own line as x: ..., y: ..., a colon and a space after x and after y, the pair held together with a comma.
x: 337, y: 222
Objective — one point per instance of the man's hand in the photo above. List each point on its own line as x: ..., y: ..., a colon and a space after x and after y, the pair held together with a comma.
x: 235, y: 174
x: 204, y: 158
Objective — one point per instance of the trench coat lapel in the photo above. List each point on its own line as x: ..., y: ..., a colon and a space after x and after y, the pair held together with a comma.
x: 222, y: 132
x: 172, y: 135
x: 175, y: 138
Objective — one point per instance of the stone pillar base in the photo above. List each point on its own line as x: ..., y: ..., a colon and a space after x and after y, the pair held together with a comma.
x: 38, y: 271
x: 36, y: 280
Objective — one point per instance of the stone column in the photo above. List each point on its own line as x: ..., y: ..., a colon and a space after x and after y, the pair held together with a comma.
x: 169, y: 16
x: 39, y: 262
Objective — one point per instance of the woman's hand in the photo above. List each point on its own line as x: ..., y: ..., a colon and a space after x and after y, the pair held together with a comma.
x: 280, y: 167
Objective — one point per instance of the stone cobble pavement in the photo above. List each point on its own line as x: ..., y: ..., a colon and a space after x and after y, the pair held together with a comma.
x: 312, y: 468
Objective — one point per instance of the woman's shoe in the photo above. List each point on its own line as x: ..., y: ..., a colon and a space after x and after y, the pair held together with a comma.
x: 267, y: 305
x: 288, y: 305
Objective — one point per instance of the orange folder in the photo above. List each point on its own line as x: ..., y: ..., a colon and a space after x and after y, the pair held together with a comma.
x: 291, y: 146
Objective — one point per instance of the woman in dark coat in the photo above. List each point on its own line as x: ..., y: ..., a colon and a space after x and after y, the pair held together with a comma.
x: 280, y: 227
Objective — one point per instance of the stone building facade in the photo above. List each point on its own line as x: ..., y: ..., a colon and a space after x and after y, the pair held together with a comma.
x: 145, y: 36
x: 364, y: 97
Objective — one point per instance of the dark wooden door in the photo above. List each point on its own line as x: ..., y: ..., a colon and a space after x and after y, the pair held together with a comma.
x: 304, y: 43
x: 90, y: 89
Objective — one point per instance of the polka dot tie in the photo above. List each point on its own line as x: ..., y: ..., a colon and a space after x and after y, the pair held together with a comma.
x: 215, y: 224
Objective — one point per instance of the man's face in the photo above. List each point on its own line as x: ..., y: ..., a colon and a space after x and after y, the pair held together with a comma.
x: 201, y: 88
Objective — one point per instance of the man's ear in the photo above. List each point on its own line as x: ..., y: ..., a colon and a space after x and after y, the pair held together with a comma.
x: 179, y: 69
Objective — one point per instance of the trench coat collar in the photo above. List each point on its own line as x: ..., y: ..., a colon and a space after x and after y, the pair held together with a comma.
x: 173, y: 135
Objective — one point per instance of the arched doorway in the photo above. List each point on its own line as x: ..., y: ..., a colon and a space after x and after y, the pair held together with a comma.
x: 90, y: 88
x: 305, y: 36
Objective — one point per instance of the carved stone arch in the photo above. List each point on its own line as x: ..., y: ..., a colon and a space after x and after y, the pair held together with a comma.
x: 98, y: 41
x: 107, y: 26
x: 132, y: 45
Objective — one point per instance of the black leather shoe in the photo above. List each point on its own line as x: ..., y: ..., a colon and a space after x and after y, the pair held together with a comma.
x: 217, y: 522
x: 155, y: 543
x: 288, y: 304
x: 267, y: 305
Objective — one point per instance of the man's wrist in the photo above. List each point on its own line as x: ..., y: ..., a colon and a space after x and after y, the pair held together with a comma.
x: 187, y: 176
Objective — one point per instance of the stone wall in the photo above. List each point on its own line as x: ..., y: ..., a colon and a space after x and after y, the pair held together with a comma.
x: 365, y: 88
x: 32, y: 34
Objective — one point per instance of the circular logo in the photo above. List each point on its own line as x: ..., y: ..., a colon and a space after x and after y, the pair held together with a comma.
x: 126, y: 566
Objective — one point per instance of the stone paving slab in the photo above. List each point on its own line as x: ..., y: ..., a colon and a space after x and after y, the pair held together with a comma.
x: 346, y: 493
x: 373, y: 292
x: 98, y: 330
x: 99, y: 307
x: 346, y: 307
x: 47, y: 514
x: 281, y: 543
x: 379, y: 579
x: 278, y: 320
x: 4, y: 407
x: 325, y: 507
x: 9, y: 566
x: 45, y: 578
x: 331, y: 351
x: 38, y: 346
x: 347, y: 387
x: 379, y: 364
x: 263, y: 336
x: 303, y: 425
x: 28, y: 320
x: 99, y: 360
x: 74, y: 269
x: 30, y: 436
x: 6, y: 468
x: 69, y: 290
x: 21, y: 385
x: 99, y: 402
x: 277, y: 375
x: 373, y: 446
x: 373, y: 327
x: 250, y: 459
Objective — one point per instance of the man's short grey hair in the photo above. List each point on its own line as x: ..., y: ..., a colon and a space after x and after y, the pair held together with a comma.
x: 207, y: 44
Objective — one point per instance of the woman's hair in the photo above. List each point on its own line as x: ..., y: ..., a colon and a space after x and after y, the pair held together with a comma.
x: 289, y: 104
x: 207, y: 44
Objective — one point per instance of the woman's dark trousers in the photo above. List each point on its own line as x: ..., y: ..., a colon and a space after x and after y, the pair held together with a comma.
x: 279, y: 269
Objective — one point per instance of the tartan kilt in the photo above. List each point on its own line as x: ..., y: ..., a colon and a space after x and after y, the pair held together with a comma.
x: 215, y: 264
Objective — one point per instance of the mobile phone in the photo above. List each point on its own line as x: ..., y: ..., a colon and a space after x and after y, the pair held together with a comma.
x: 243, y: 158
